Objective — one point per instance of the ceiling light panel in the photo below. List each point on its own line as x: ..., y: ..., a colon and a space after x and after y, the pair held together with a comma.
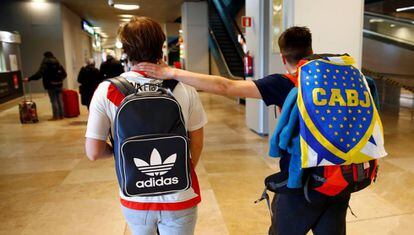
x: 126, y: 7
x: 126, y: 16
x: 405, y: 8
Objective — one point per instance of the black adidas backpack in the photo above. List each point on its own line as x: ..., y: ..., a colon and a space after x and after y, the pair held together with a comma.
x: 150, y: 140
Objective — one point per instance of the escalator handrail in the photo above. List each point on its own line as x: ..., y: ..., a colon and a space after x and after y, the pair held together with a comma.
x: 235, y: 25
x: 389, y: 18
x: 220, y: 54
x: 388, y: 39
x: 230, y: 24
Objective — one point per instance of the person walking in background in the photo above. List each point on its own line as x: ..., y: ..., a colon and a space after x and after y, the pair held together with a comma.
x: 89, y: 77
x: 111, y: 67
x: 52, y: 73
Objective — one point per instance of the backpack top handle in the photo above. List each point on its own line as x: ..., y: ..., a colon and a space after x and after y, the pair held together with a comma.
x: 126, y: 88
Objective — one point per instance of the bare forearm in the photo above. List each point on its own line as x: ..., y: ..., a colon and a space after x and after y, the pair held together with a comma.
x: 196, y: 144
x: 196, y: 153
x: 209, y: 83
x: 108, y: 152
x: 97, y: 149
x: 217, y: 84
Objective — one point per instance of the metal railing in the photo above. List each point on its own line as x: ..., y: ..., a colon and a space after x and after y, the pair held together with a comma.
x: 221, y: 61
x: 394, y: 81
x: 391, y: 78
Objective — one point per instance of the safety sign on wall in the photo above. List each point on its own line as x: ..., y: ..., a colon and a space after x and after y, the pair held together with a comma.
x: 246, y: 21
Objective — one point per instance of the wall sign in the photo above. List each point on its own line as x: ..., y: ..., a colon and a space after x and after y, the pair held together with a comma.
x: 246, y: 21
x: 87, y: 27
x: 15, y: 82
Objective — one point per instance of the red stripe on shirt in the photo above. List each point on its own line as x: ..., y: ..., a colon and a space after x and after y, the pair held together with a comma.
x: 114, y: 95
x: 174, y: 206
x: 141, y: 72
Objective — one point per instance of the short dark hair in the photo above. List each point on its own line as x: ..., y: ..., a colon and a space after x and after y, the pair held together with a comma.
x: 48, y: 54
x: 295, y: 43
x: 142, y: 39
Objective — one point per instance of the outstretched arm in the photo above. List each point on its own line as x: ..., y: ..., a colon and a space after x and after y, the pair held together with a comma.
x: 39, y: 73
x: 209, y: 83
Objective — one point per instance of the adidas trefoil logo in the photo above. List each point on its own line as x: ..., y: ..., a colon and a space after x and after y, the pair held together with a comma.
x: 156, y: 167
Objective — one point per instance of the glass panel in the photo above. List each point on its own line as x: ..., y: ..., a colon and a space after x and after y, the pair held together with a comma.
x: 277, y: 23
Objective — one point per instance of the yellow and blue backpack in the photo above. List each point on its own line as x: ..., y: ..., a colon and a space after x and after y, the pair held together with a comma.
x: 340, y: 130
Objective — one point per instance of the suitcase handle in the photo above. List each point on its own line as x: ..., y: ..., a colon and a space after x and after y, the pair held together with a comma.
x: 27, y: 83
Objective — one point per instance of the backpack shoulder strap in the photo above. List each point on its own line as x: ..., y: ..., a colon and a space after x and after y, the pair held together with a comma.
x: 169, y: 84
x: 125, y: 87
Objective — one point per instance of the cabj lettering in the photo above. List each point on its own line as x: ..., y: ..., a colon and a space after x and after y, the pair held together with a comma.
x: 351, y: 98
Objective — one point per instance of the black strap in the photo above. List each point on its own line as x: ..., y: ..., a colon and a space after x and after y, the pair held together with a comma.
x: 266, y: 197
x: 323, y: 56
x: 125, y: 87
x: 111, y: 138
x: 169, y: 84
x: 352, y: 212
x: 306, y: 190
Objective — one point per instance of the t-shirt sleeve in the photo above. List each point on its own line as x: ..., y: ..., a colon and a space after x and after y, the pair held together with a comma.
x: 197, y: 116
x: 274, y: 89
x: 98, y: 121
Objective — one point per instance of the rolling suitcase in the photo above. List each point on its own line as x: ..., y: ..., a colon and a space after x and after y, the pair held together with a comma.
x: 27, y: 108
x: 71, y: 103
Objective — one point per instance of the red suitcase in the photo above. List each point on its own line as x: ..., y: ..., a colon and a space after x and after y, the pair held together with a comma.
x: 27, y: 108
x: 71, y: 103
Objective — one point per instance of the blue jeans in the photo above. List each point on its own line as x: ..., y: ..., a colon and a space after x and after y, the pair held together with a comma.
x: 181, y: 222
x: 55, y: 96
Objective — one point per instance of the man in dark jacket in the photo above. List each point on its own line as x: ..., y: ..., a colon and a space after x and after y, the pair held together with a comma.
x: 111, y: 67
x: 52, y: 74
x: 89, y: 77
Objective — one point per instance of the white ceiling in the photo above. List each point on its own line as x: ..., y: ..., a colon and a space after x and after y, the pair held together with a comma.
x: 100, y: 14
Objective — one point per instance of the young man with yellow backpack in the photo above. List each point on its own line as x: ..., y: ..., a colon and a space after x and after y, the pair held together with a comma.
x: 328, y: 136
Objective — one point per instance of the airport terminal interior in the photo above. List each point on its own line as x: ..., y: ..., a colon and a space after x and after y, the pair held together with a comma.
x: 49, y: 186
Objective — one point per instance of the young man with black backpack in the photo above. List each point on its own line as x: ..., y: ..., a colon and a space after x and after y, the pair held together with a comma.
x: 319, y: 195
x: 156, y: 130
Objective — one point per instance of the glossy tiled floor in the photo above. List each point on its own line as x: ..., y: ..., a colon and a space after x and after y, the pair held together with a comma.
x: 47, y: 186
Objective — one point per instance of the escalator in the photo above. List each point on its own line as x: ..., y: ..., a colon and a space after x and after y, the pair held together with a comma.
x: 387, y: 52
x: 223, y: 43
